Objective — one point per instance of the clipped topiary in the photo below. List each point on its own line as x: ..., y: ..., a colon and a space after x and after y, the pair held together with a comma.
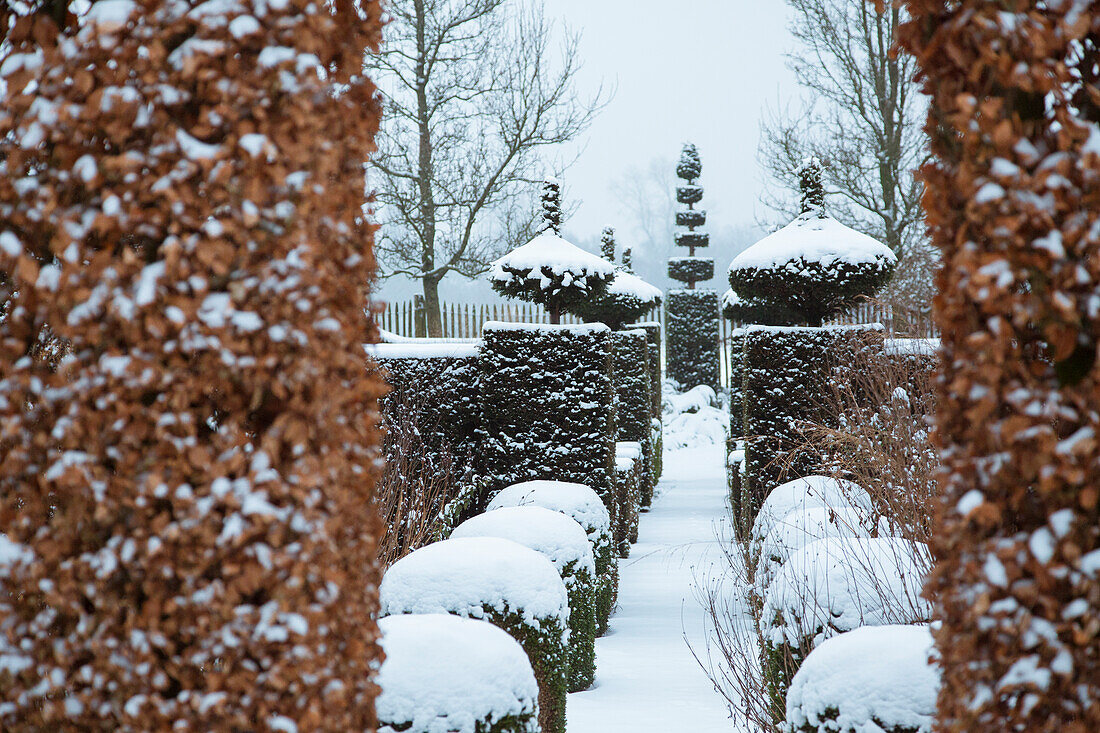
x: 690, y: 269
x: 563, y: 542
x: 811, y: 269
x: 549, y: 270
x: 628, y: 494
x: 626, y: 298
x: 446, y: 673
x: 586, y: 508
x: 633, y: 401
x: 502, y: 582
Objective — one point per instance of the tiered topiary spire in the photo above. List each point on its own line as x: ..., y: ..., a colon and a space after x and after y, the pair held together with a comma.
x: 690, y: 269
x: 551, y: 206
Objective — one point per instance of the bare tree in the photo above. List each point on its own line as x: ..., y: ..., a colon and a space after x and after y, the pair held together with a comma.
x: 862, y: 119
x: 472, y: 94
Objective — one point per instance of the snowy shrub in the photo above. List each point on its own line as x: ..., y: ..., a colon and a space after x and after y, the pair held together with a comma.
x: 692, y: 337
x: 564, y: 543
x: 804, y: 494
x: 549, y: 270
x: 446, y: 673
x: 586, y: 508
x: 693, y: 418
x: 547, y: 405
x: 878, y: 679
x: 690, y: 269
x: 633, y: 401
x: 803, y: 526
x: 181, y: 203
x: 786, y: 374
x: 835, y: 585
x: 628, y: 489
x: 502, y: 582
x: 811, y: 269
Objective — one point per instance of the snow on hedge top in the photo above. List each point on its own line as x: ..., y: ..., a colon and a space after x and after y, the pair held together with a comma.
x: 559, y: 538
x: 803, y: 526
x: 578, y: 501
x: 626, y: 283
x: 567, y: 327
x: 866, y: 681
x: 429, y: 350
x: 445, y: 674
x: 804, y: 493
x: 838, y: 584
x: 813, y: 238
x: 563, y: 259
x: 467, y: 575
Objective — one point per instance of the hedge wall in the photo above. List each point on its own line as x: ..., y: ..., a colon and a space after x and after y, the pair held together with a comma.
x: 546, y: 405
x: 633, y: 403
x: 653, y: 336
x: 692, y: 338
x: 784, y: 372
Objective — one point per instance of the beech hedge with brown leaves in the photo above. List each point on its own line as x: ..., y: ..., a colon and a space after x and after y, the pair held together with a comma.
x: 186, y: 497
x: 1013, y: 203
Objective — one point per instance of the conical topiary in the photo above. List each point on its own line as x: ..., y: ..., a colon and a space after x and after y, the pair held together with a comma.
x: 811, y: 269
x: 548, y: 270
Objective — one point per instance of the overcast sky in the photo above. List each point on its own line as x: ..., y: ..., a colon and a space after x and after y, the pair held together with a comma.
x: 690, y: 70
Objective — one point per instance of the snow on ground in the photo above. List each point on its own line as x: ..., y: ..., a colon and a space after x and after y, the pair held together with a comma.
x: 646, y: 677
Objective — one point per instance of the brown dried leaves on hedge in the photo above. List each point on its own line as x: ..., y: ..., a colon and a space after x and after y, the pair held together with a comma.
x: 180, y: 199
x: 1013, y: 202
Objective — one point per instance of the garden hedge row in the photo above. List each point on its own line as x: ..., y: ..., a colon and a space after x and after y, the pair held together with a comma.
x: 784, y: 373
x: 692, y: 339
x: 547, y: 405
x: 633, y: 402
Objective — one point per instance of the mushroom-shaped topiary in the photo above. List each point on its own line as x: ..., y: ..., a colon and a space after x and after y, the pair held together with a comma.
x: 626, y: 299
x: 549, y: 270
x: 811, y: 269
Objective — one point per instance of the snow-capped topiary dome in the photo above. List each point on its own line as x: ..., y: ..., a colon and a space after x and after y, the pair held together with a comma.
x: 578, y: 501
x: 556, y: 536
x: 878, y: 678
x: 811, y: 269
x: 806, y: 492
x: 628, y: 298
x: 839, y: 584
x: 445, y: 674
x: 803, y: 526
x: 465, y: 576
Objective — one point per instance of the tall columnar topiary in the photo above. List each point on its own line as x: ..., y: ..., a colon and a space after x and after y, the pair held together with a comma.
x: 692, y: 315
x: 811, y: 269
x: 549, y: 270
x: 188, y: 494
x: 626, y: 299
x: 690, y: 269
x: 1013, y: 203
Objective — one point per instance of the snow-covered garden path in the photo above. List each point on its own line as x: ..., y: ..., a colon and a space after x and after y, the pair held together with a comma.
x: 646, y: 678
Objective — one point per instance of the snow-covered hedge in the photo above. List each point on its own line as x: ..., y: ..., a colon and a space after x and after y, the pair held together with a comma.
x: 586, y: 507
x: 633, y: 401
x: 803, y: 494
x: 835, y: 585
x: 628, y: 493
x: 547, y: 405
x: 878, y: 679
x: 785, y: 373
x: 692, y: 337
x: 564, y: 542
x: 502, y: 582
x: 653, y: 336
x: 446, y: 673
x: 803, y: 526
